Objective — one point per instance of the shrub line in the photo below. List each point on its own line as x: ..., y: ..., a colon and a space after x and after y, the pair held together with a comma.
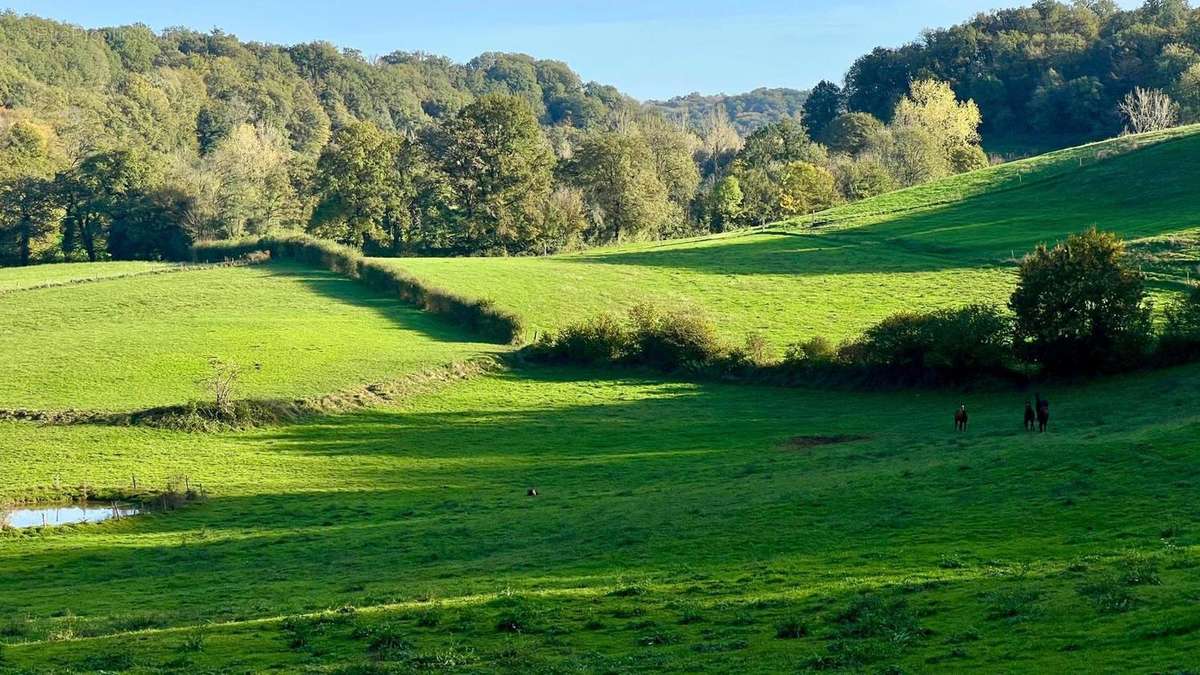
x: 481, y: 317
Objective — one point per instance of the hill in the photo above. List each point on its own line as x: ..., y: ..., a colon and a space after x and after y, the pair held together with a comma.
x: 677, y: 526
x: 747, y: 111
x: 947, y: 243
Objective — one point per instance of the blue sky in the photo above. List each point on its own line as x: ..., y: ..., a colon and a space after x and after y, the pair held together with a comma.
x: 650, y: 49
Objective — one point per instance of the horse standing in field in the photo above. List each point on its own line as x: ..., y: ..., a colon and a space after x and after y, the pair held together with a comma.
x: 1030, y: 416
x: 960, y: 418
x: 1043, y: 413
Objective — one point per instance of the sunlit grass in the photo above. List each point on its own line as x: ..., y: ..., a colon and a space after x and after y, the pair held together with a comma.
x: 945, y: 244
x: 668, y: 512
x: 145, y: 341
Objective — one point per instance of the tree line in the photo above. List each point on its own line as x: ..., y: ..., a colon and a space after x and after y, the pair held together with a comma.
x: 1053, y: 68
x: 122, y: 142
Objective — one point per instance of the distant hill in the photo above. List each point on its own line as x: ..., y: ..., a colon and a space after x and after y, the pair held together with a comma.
x: 179, y: 89
x: 747, y: 111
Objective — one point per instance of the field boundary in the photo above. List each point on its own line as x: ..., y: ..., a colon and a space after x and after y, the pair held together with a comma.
x: 179, y: 267
x: 481, y: 317
x: 248, y: 413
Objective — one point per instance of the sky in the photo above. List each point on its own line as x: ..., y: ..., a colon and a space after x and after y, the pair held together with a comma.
x: 647, y: 48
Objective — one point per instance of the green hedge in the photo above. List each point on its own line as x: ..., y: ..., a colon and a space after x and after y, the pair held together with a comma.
x: 479, y: 316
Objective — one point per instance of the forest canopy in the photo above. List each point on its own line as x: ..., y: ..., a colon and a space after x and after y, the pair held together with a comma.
x: 124, y: 142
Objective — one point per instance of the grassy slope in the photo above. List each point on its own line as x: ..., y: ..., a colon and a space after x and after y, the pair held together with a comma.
x: 20, y: 278
x: 140, y: 342
x: 946, y: 244
x: 676, y: 529
x: 683, y: 495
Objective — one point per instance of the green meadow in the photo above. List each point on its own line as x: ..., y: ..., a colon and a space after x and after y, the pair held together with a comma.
x: 59, y: 274
x: 949, y: 243
x: 139, y: 342
x: 678, y: 526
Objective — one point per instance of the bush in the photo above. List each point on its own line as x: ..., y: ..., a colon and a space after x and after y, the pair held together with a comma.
x: 1080, y: 307
x: 673, y: 340
x: 1180, y: 339
x: 597, y: 341
x: 955, y: 343
x: 478, y: 316
x: 816, y: 350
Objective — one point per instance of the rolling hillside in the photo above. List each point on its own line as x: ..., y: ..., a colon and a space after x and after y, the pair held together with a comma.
x: 948, y: 243
x: 678, y: 526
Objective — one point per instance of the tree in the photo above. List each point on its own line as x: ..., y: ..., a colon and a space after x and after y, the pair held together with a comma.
x: 851, y: 133
x: 911, y: 154
x: 824, y: 104
x: 932, y: 107
x: 498, y: 167
x: 564, y: 220
x: 719, y: 143
x: 1181, y: 332
x: 1148, y: 110
x: 27, y: 210
x: 27, y: 216
x: 152, y: 227
x: 781, y: 142
x: 806, y: 188
x: 362, y: 195
x: 619, y: 178
x: 674, y: 151
x: 862, y: 177
x: 253, y: 192
x: 1080, y: 306
x: 97, y: 193
x: 724, y: 204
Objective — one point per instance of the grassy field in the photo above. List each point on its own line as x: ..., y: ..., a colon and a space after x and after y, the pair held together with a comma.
x: 678, y: 526
x: 138, y: 342
x: 945, y: 244
x: 22, y: 278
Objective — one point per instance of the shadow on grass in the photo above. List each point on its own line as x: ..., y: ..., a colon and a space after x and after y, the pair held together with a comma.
x: 350, y: 292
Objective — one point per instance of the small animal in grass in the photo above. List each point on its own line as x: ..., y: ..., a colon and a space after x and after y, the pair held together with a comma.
x: 1030, y: 416
x: 960, y: 418
x: 532, y: 492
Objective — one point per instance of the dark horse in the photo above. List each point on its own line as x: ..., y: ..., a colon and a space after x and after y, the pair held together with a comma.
x: 1043, y: 413
x: 1030, y: 417
x: 960, y: 418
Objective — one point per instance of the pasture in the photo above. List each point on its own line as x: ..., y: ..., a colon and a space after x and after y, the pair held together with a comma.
x: 138, y: 342
x: 945, y: 244
x: 678, y: 526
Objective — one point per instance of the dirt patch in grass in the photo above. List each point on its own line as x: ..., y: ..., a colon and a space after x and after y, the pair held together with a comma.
x: 799, y: 443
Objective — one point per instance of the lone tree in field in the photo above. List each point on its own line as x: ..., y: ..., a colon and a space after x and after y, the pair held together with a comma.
x: 1080, y: 307
x: 1148, y: 110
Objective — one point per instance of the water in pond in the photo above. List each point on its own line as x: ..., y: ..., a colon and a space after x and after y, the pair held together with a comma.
x: 66, y: 514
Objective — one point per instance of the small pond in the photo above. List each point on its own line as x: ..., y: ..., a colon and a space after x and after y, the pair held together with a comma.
x: 65, y: 514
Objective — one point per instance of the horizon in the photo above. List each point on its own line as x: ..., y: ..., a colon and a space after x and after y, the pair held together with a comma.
x: 709, y: 49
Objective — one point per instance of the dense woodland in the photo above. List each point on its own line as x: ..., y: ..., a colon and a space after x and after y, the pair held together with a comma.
x: 125, y: 143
